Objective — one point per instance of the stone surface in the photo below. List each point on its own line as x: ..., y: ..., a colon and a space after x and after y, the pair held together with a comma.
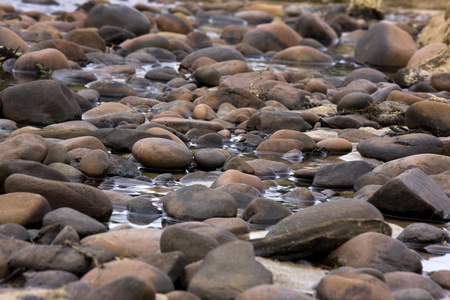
x: 238, y: 273
x: 402, y: 195
x: 375, y: 250
x: 198, y: 203
x: 86, y: 199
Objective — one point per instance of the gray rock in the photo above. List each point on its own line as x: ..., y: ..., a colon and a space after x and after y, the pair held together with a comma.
x: 375, y: 250
x: 50, y: 279
x: 82, y: 223
x: 77, y: 260
x: 320, y: 228
x: 413, y: 189
x: 265, y: 212
x: 340, y: 175
x: 237, y: 273
x: 406, y: 280
x: 126, y: 287
x: 86, y: 199
x: 422, y: 234
x: 390, y: 148
x: 198, y: 202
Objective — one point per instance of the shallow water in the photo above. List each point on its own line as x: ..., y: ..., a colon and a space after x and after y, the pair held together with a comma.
x: 342, y: 52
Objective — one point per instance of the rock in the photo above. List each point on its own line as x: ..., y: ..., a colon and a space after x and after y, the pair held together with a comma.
x: 335, y: 145
x: 114, y: 34
x: 375, y: 250
x: 422, y: 234
x: 302, y: 55
x: 340, y: 175
x: 86, y: 37
x: 55, y: 257
x: 371, y: 74
x: 121, y: 139
x: 310, y: 25
x: 237, y: 226
x: 412, y: 293
x: 238, y: 273
x: 110, y: 90
x: 15, y: 230
x: 153, y: 153
x: 39, y: 62
x: 271, y: 37
x: 271, y: 121
x: 217, y: 53
x: 48, y: 279
x: 370, y: 178
x: 242, y: 193
x: 126, y: 287
x: 238, y: 97
x: 411, y: 189
x: 442, y: 278
x: 198, y: 202
x: 430, y: 116
x: 86, y: 199
x: 31, y: 168
x: 11, y: 40
x: 390, y: 148
x: 40, y: 103
x: 118, y: 15
x: 272, y: 291
x: 94, y: 164
x: 279, y: 146
x: 354, y: 101
x: 173, y: 23
x: 352, y: 285
x: 266, y: 169
x: 439, y: 81
x: 424, y: 53
x: 71, y: 50
x: 83, y: 224
x: 126, y: 242
x: 184, y: 125
x: 265, y: 212
x: 209, y: 159
x: 113, y: 270
x: 289, y: 96
x: 172, y: 263
x: 197, y: 40
x: 195, y: 246
x: 234, y: 176
x: 398, y: 46
x: 404, y: 280
x: 23, y: 208
x: 319, y: 229
x: 210, y: 140
x: 181, y: 295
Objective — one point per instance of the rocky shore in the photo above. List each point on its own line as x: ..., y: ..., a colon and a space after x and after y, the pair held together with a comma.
x: 116, y: 109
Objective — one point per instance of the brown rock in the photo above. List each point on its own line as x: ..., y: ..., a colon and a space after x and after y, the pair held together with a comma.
x: 303, y: 55
x: 375, y: 250
x: 114, y: 270
x: 23, y: 208
x: 41, y: 61
x: 404, y: 280
x: 234, y: 176
x: 271, y: 37
x: 126, y: 242
x: 86, y: 199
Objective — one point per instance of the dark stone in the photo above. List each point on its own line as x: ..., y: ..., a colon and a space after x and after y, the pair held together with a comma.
x: 237, y: 272
x: 265, y: 212
x: 83, y: 224
x: 340, y: 175
x: 127, y: 287
x: 77, y: 260
x: 390, y: 148
x: 412, y: 189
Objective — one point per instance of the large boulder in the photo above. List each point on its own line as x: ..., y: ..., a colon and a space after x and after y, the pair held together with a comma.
x: 385, y: 45
x: 118, y: 15
x: 413, y: 194
x: 390, y: 148
x: 198, y: 202
x: 40, y: 103
x: 237, y: 273
x: 84, y: 198
x: 430, y: 116
x: 319, y: 229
